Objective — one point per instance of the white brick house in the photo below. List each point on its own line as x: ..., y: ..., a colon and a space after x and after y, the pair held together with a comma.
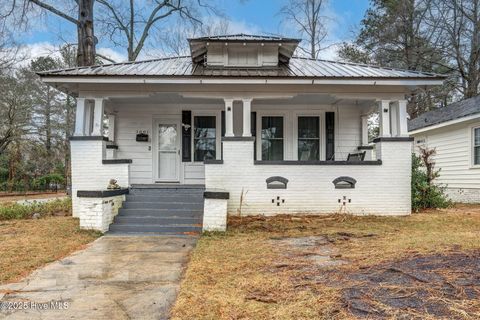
x: 238, y: 112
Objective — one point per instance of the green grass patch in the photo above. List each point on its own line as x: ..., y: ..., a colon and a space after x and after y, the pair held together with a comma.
x: 9, y: 211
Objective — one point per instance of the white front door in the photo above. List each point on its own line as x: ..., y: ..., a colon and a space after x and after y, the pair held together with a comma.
x: 168, y: 150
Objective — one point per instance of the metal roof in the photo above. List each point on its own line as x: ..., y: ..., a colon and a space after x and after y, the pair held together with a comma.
x: 297, y: 68
x: 245, y: 37
x: 453, y: 111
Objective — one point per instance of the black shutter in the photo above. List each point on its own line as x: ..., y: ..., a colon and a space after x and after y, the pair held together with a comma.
x: 186, y: 136
x: 223, y: 124
x: 253, y: 128
x: 222, y: 129
x: 330, y: 135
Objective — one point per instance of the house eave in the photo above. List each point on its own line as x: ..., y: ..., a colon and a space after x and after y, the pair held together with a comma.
x: 413, y: 82
x: 445, y: 124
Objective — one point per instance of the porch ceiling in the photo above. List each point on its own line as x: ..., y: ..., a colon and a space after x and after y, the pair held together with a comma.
x: 300, y: 99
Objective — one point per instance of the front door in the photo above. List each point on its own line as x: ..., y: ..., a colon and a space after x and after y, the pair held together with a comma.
x: 168, y: 151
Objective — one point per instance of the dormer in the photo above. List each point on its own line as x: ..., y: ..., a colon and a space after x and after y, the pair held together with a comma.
x: 242, y: 51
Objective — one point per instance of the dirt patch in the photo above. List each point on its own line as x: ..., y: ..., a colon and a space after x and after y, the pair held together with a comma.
x: 315, y: 250
x: 437, y: 285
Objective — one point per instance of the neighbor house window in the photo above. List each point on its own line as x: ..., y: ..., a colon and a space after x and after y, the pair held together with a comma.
x: 272, y: 138
x: 308, y: 138
x: 204, y: 138
x: 476, y: 146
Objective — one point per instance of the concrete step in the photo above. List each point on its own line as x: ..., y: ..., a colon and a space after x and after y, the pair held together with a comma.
x: 161, y: 212
x: 162, y: 205
x: 157, y: 228
x: 166, y: 198
x: 158, y: 220
x: 157, y: 192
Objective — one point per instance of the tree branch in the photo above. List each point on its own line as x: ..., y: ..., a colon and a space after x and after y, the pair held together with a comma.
x: 54, y: 11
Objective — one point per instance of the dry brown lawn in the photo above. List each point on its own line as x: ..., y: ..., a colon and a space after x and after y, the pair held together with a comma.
x: 26, y: 245
x: 422, y: 266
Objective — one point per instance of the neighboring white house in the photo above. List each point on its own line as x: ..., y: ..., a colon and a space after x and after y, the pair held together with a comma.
x: 285, y: 134
x: 454, y: 132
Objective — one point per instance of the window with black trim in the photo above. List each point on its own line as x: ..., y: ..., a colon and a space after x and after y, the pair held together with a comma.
x: 204, y: 138
x: 272, y: 138
x: 308, y: 138
x: 476, y: 146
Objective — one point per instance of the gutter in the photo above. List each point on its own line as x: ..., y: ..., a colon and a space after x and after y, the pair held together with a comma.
x: 171, y: 80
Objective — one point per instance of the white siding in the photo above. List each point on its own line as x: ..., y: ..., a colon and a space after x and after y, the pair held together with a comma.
x: 130, y: 118
x: 453, y: 145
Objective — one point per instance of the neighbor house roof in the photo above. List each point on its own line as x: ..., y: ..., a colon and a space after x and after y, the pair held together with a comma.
x: 296, y: 68
x: 458, y: 110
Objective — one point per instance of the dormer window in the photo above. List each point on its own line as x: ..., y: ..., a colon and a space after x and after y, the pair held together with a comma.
x: 242, y: 51
x: 242, y: 56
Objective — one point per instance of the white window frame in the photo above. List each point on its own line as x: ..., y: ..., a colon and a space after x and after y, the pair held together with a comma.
x: 259, y: 131
x: 472, y: 147
x: 218, y: 133
x: 321, y: 121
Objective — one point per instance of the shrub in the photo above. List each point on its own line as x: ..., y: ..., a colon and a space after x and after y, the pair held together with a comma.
x: 425, y: 193
x: 25, y: 211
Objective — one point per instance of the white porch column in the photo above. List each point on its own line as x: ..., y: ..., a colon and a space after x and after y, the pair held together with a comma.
x: 247, y: 131
x: 364, y: 130
x: 87, y: 126
x: 394, y: 118
x: 98, y: 117
x: 111, y: 127
x: 229, y: 118
x: 402, y: 118
x: 384, y: 117
x: 79, y: 117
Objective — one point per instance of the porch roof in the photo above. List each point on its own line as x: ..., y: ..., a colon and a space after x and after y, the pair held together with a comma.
x: 298, y: 68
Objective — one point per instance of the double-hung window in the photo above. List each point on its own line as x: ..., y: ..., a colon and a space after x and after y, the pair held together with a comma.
x: 204, y: 138
x: 476, y: 146
x: 272, y: 138
x: 308, y: 138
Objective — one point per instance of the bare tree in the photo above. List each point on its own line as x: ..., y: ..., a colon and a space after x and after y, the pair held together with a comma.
x: 311, y: 24
x: 174, y: 39
x: 130, y: 24
x: 459, y: 24
x: 78, y: 12
x: 15, y: 108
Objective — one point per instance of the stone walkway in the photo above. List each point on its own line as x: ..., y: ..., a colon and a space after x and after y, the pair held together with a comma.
x: 135, y: 277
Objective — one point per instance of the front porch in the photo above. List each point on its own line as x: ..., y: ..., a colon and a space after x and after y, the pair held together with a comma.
x: 237, y: 142
x: 168, y: 137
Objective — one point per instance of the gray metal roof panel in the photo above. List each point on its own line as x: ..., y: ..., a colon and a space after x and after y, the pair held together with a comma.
x: 298, y: 67
x: 453, y: 111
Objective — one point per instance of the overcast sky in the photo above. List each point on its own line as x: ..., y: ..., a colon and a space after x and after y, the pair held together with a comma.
x: 244, y: 16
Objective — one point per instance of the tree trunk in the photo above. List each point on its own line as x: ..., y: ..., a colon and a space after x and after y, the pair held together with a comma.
x: 86, y: 37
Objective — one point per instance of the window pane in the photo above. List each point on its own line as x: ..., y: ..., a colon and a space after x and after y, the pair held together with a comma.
x: 308, y: 127
x: 204, y: 127
x: 272, y: 127
x: 308, y: 149
x: 477, y: 137
x: 272, y: 149
x: 204, y: 149
x: 204, y: 142
x: 476, y: 155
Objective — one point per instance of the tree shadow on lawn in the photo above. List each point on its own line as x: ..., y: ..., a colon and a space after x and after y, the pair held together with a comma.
x: 436, y: 285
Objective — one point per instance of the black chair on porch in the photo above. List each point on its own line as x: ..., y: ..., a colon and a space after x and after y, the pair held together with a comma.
x: 356, y: 156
